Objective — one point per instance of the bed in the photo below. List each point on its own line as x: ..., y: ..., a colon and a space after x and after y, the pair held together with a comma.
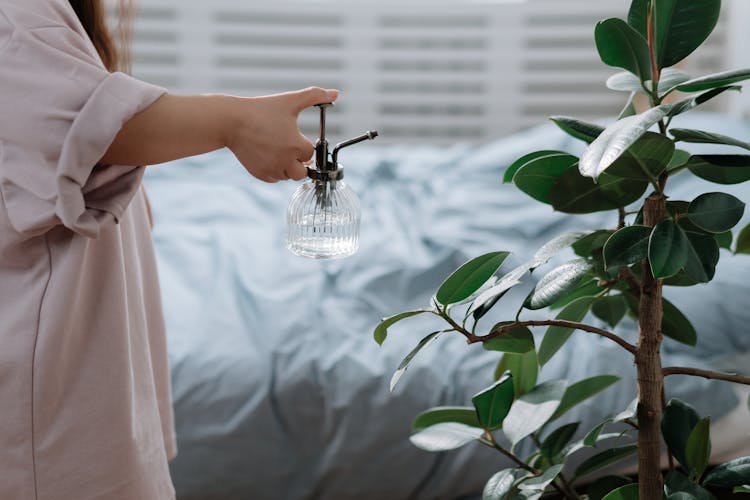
x: 280, y: 390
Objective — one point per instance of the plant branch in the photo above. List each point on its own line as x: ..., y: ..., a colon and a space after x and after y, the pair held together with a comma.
x: 472, y: 338
x: 620, y: 217
x: 552, y: 322
x: 489, y: 440
x: 708, y: 374
x: 662, y: 128
x: 651, y: 36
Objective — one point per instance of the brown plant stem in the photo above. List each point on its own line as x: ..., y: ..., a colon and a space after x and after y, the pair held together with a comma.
x: 472, y: 338
x: 648, y: 363
x: 489, y: 440
x: 557, y: 322
x: 670, y: 457
x: 708, y: 374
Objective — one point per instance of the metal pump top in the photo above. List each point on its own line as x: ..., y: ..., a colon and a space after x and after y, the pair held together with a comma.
x: 330, y: 170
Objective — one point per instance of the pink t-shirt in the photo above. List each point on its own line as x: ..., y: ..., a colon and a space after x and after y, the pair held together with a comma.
x: 85, y: 408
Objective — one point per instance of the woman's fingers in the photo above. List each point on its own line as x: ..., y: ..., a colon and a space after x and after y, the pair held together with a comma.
x: 297, y: 172
x: 305, y: 149
x: 266, y: 137
x: 311, y: 96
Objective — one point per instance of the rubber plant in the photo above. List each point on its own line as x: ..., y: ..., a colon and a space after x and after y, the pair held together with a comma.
x: 658, y: 241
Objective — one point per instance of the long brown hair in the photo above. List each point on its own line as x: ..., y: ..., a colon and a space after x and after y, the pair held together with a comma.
x: 113, y: 47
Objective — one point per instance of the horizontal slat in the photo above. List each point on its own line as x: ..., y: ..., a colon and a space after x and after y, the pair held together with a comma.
x: 276, y: 18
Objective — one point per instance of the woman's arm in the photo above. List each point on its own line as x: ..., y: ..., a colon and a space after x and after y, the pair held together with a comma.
x: 262, y: 132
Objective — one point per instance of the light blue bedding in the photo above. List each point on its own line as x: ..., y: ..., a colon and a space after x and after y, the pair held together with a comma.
x: 280, y: 391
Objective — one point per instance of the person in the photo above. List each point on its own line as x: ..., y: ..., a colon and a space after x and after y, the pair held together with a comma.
x: 85, y: 410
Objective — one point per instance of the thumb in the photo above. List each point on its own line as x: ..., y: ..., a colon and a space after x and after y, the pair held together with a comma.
x: 312, y: 96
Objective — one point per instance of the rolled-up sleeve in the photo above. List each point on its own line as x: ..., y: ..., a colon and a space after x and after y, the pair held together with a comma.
x: 60, y: 110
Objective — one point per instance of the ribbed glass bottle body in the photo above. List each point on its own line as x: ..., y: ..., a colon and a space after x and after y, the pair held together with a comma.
x: 323, y: 220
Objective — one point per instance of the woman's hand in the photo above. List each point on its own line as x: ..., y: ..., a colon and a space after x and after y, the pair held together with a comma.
x: 266, y: 138
x: 262, y: 132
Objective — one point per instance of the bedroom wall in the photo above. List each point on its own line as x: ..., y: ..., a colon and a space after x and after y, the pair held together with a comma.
x: 438, y: 72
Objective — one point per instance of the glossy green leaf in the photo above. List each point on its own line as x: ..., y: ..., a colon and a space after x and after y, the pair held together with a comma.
x: 519, y: 340
x: 714, y: 80
x: 716, y: 212
x: 580, y: 444
x: 743, y: 241
x: 745, y: 488
x: 698, y: 448
x: 628, y: 82
x: 721, y: 169
x: 645, y: 159
x: 676, y: 326
x: 680, y: 26
x: 492, y: 404
x: 605, y: 458
x: 445, y: 436
x: 625, y: 81
x: 676, y: 483
x: 588, y: 287
x: 667, y: 249
x: 576, y: 194
x: 470, y: 277
x: 621, y: 46
x: 555, y: 443
x: 629, y: 108
x: 676, y: 208
x: 629, y: 413
x: 730, y: 474
x: 627, y: 246
x: 487, y: 299
x: 525, y: 495
x: 690, y: 103
x: 668, y: 78
x: 556, y: 336
x: 557, y: 283
x: 524, y: 369
x: 592, y: 243
x: 577, y: 128
x: 591, y: 438
x: 702, y: 256
x: 701, y: 137
x: 409, y: 357
x: 681, y: 495
x: 540, y: 483
x: 616, y: 139
x: 442, y: 414
x: 678, y: 161
x: 724, y: 240
x: 501, y: 483
x: 677, y: 423
x: 381, y: 331
x: 582, y: 390
x: 610, y: 309
x: 513, y: 168
x: 537, y: 176
x: 553, y: 246
x: 603, y: 485
x: 627, y: 492
x: 532, y: 410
